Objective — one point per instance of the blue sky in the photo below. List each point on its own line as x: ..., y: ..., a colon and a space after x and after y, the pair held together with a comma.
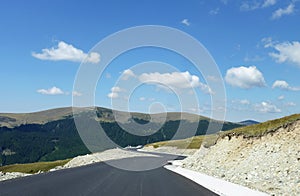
x: 255, y: 44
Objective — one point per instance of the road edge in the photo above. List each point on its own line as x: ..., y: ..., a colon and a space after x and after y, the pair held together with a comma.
x: 219, y: 186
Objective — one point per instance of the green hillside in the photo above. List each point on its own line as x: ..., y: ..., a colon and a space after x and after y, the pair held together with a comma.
x: 55, y: 137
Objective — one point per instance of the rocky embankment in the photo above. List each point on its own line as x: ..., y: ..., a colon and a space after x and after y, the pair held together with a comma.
x: 269, y: 163
x: 108, y: 155
x: 169, y: 150
x: 11, y: 175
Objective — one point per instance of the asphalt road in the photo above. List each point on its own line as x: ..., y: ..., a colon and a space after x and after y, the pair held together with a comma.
x: 102, y: 179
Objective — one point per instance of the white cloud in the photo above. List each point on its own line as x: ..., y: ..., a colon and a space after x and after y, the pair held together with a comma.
x: 114, y: 92
x: 268, y: 42
x: 248, y: 6
x: 281, y: 84
x: 51, y: 91
x: 174, y: 80
x: 113, y: 95
x: 281, y: 97
x: 245, y: 77
x: 67, y: 52
x: 244, y: 102
x: 76, y: 94
x: 290, y: 104
x: 186, y: 22
x: 146, y: 99
x: 269, y: 3
x: 283, y: 11
x: 127, y: 74
x: 286, y: 52
x: 142, y: 98
x: 266, y: 107
x: 254, y: 5
x: 116, y: 89
x: 214, y: 11
x: 213, y: 78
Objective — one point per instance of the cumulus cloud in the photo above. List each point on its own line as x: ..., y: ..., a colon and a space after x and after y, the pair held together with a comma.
x: 66, y: 52
x: 186, y: 22
x: 142, y: 98
x: 245, y: 77
x: 127, y: 74
x: 51, y: 91
x: 267, y: 107
x: 175, y: 80
x: 286, y: 51
x: 114, y: 92
x: 283, y: 11
x: 281, y: 84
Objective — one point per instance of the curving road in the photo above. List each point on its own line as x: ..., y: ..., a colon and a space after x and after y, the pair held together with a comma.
x: 102, y: 179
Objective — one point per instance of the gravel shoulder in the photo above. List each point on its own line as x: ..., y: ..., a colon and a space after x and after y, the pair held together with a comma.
x: 112, y: 154
x: 11, y: 175
x: 169, y: 150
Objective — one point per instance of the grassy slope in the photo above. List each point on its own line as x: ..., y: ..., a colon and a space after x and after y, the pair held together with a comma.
x: 256, y: 130
x: 262, y: 128
x: 189, y: 143
x: 32, y: 168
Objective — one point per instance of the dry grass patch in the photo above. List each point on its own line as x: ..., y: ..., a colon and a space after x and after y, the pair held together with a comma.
x: 31, y: 168
x: 261, y: 129
x: 189, y: 143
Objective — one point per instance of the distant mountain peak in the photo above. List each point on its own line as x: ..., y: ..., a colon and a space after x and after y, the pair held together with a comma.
x: 248, y: 122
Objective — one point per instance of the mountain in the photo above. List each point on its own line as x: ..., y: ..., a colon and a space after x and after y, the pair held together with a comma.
x: 249, y: 122
x: 52, y: 134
